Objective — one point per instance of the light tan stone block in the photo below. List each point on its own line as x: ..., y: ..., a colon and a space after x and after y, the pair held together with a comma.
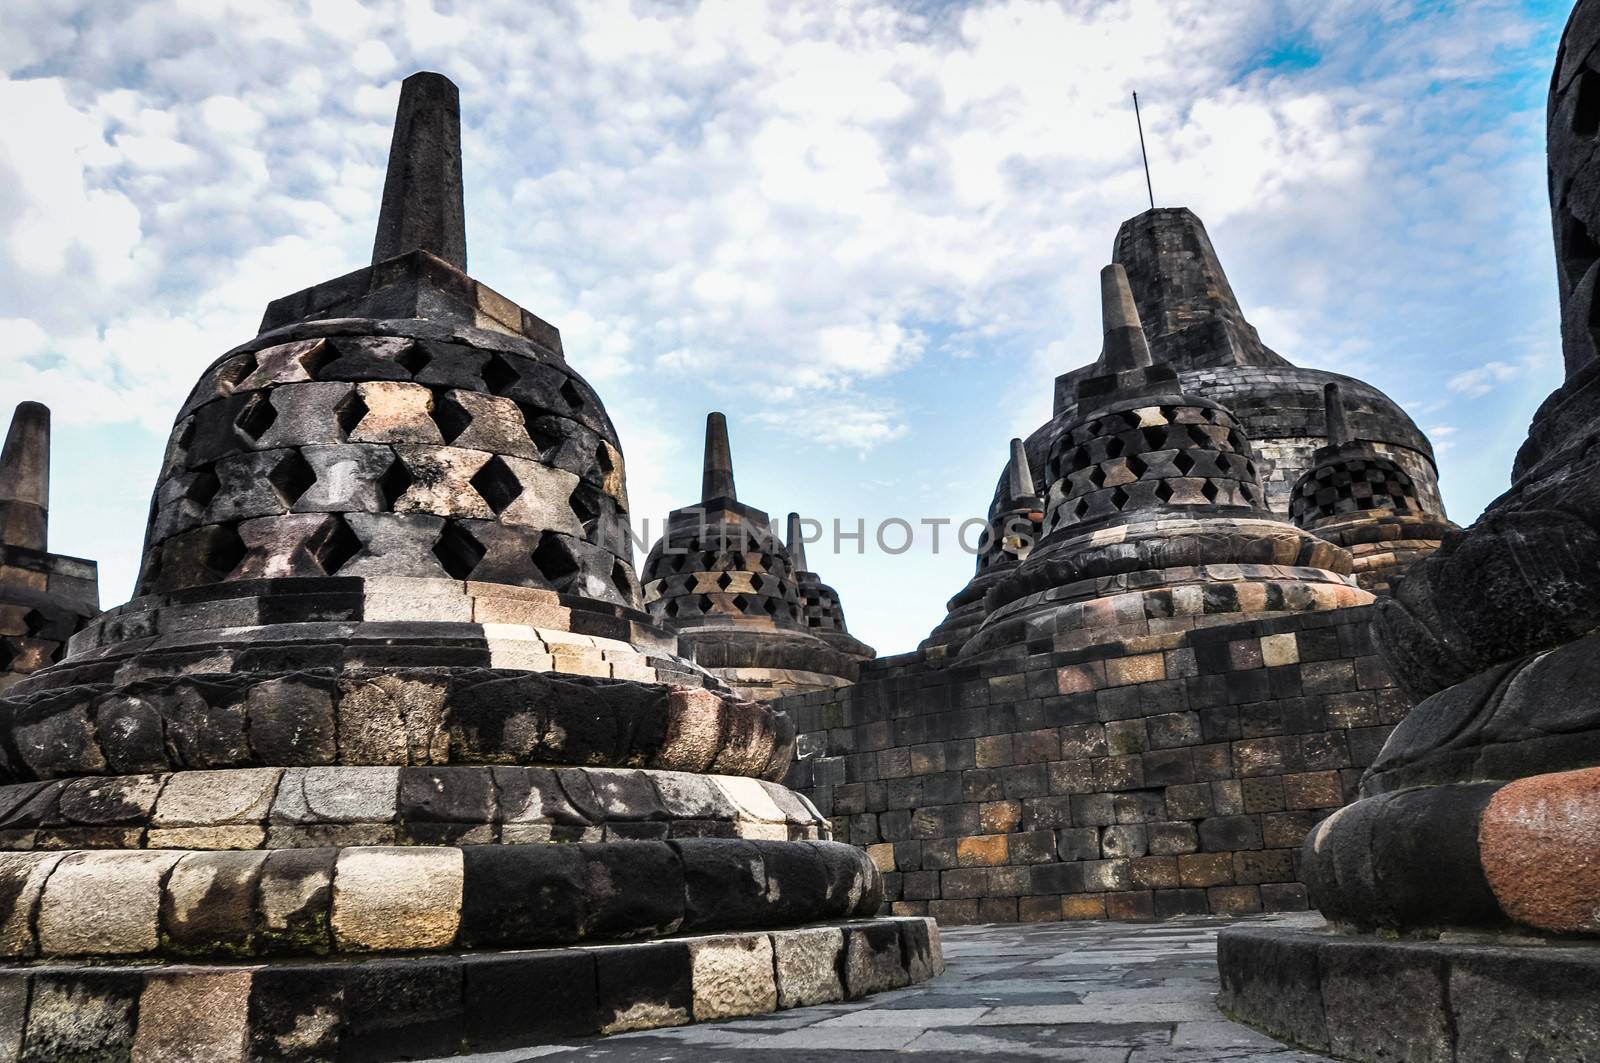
x: 194, y: 1015
x: 733, y: 976
x: 807, y: 965
x: 216, y: 798
x: 397, y: 412
x: 342, y: 794
x: 23, y: 876
x: 242, y: 836
x: 103, y: 903
x: 399, y: 898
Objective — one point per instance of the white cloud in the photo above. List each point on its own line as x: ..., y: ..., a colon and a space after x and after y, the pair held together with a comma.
x: 1475, y: 383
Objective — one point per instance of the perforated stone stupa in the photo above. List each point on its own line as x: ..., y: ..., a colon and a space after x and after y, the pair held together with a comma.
x: 1366, y: 503
x: 1193, y: 325
x: 723, y: 580
x: 44, y: 598
x: 1154, y: 513
x: 1017, y: 524
x: 386, y: 742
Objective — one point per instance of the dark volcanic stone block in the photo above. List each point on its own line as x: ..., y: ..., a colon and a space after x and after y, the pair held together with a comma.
x: 725, y: 884
x: 524, y: 894
x: 1274, y: 983
x: 399, y: 1008
x: 514, y: 1001
x: 644, y: 985
x: 296, y: 1012
x: 81, y: 1016
x: 634, y: 889
x: 797, y: 882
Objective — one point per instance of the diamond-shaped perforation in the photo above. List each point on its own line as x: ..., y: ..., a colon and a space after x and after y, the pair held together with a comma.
x: 584, y: 506
x: 1137, y: 465
x: 291, y: 477
x: 620, y: 579
x: 741, y: 603
x: 705, y: 603
x: 1164, y: 490
x: 451, y: 417
x: 336, y: 545
x: 1209, y: 489
x: 351, y: 409
x: 770, y: 605
x: 395, y: 481
x: 497, y: 484
x: 414, y: 358
x: 756, y: 581
x: 1097, y: 476
x: 1119, y: 498
x: 1183, y: 463
x: 571, y: 394
x: 553, y: 559
x: 34, y: 622
x: 203, y: 486
x: 224, y: 549
x: 725, y: 581
x: 458, y: 551
x: 256, y: 417
x: 1115, y: 446
x: 499, y: 375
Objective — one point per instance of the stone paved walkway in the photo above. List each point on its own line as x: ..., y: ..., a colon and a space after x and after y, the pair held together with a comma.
x: 1074, y: 992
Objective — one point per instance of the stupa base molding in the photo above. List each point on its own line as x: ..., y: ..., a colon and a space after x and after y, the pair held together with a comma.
x: 421, y: 1006
x: 1369, y: 998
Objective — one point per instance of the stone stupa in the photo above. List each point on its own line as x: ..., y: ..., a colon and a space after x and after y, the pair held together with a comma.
x: 1009, y: 537
x: 727, y: 585
x: 1365, y: 502
x: 386, y: 744
x: 45, y: 598
x: 1155, y: 516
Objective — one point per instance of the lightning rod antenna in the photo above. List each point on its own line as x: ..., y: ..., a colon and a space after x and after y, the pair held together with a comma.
x: 1143, y: 153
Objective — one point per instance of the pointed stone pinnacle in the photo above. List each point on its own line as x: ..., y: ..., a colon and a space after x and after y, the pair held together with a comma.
x: 1333, y: 408
x: 1019, y: 477
x: 796, y: 544
x: 423, y: 207
x: 1124, y: 347
x: 717, y: 479
x: 25, y: 478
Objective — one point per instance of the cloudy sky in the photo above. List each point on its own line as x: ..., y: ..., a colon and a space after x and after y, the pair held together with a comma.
x: 869, y: 231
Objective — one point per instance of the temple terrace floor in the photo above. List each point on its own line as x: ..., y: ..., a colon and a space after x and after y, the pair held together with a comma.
x: 1081, y: 992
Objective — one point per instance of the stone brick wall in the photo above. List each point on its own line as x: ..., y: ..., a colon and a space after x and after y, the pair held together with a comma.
x: 1166, y: 775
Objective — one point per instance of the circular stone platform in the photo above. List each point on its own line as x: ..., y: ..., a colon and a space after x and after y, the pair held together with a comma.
x: 1467, y: 999
x: 423, y: 1006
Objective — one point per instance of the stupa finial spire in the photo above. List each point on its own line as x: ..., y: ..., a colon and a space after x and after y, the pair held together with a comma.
x: 796, y: 544
x: 423, y: 206
x: 1019, y: 476
x: 1125, y: 347
x: 717, y: 479
x: 1333, y: 408
x: 25, y: 478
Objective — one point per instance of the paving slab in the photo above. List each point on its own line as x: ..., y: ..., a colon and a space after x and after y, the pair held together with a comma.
x: 1072, y: 992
